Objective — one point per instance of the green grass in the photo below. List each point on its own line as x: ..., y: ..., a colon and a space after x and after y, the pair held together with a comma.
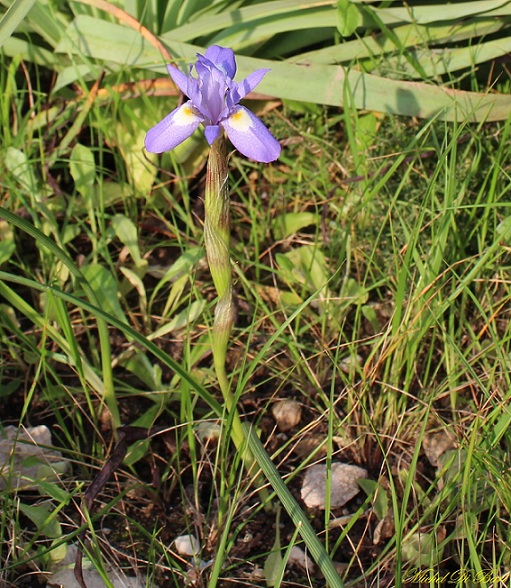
x: 372, y: 275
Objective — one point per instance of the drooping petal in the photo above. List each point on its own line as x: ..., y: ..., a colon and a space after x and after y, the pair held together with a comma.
x: 173, y: 129
x: 249, y: 135
x: 248, y: 84
x: 223, y: 58
x: 211, y: 133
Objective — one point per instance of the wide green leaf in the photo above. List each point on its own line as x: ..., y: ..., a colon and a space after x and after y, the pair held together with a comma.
x: 321, y: 84
x: 106, y: 288
x: 348, y: 17
x: 324, y: 13
x: 409, y: 36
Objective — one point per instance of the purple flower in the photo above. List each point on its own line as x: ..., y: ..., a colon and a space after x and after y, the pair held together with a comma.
x: 214, y: 102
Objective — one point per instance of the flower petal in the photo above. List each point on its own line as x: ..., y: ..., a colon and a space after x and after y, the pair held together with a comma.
x: 211, y: 133
x: 179, y: 78
x: 248, y: 84
x: 173, y: 129
x: 222, y: 58
x: 213, y: 87
x: 249, y: 135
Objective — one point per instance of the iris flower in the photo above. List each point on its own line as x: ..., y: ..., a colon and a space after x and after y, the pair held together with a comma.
x: 214, y: 102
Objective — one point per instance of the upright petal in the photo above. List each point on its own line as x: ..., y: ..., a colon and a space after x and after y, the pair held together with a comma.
x: 247, y: 85
x: 173, y: 129
x: 249, y: 135
x: 213, y: 85
x: 223, y: 58
x: 179, y: 78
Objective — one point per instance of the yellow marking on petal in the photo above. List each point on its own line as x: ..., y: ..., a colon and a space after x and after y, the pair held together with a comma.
x: 240, y: 121
x: 184, y: 116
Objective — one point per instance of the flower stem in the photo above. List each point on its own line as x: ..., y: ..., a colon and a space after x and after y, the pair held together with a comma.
x: 217, y: 229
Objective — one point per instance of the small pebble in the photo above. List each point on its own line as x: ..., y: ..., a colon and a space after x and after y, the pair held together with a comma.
x: 187, y: 545
x: 287, y: 414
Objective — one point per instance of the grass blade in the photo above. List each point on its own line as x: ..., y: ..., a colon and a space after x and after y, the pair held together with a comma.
x: 293, y: 509
x: 13, y: 17
x: 128, y: 331
x: 41, y: 239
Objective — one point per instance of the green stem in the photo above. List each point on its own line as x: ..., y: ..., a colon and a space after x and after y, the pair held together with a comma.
x: 217, y: 236
x: 217, y: 229
x: 217, y: 232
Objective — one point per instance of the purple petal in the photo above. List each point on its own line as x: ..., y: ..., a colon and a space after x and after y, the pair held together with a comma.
x: 248, y: 84
x: 211, y: 132
x: 222, y: 58
x: 173, y: 129
x: 179, y: 78
x: 250, y: 137
x: 214, y: 86
x: 187, y: 84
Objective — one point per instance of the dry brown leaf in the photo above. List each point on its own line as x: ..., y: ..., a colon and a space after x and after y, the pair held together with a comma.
x: 437, y: 443
x: 307, y: 445
x: 385, y: 528
x: 298, y: 557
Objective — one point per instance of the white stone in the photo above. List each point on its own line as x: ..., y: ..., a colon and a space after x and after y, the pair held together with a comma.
x: 187, y: 545
x: 343, y: 484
